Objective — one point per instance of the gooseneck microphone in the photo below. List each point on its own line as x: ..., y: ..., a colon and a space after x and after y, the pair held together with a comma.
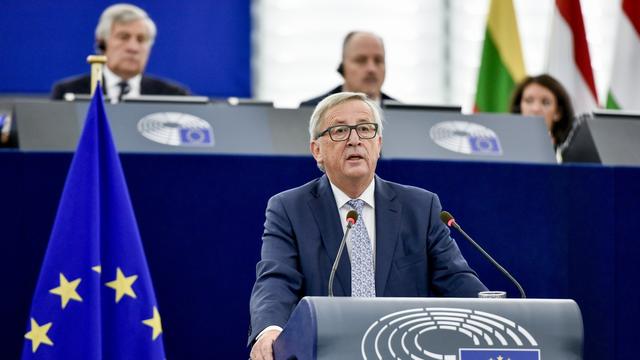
x: 352, y: 217
x: 448, y: 219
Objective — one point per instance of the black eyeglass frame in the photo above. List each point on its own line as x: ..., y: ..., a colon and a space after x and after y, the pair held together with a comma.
x: 351, y: 128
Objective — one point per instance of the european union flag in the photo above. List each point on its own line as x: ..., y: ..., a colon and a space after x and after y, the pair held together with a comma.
x: 94, y: 298
x: 499, y: 354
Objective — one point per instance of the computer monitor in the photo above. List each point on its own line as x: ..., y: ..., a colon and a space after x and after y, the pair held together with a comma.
x: 607, y: 136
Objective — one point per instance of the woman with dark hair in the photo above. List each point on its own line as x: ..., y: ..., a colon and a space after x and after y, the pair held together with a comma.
x: 544, y: 96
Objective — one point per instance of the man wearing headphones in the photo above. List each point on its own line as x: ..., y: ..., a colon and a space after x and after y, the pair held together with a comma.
x: 362, y: 67
x: 125, y: 34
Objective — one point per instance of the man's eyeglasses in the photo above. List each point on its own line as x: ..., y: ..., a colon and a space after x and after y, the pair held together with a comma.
x: 343, y: 132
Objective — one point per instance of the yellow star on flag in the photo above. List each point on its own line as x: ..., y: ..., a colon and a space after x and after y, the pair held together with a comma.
x: 67, y: 290
x: 97, y: 269
x: 122, y: 285
x: 38, y: 335
x: 154, y: 323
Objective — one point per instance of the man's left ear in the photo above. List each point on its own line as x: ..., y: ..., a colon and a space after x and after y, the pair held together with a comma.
x: 314, y: 147
x: 100, y: 46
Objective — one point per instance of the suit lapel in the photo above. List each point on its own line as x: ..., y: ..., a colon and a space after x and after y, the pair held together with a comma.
x: 388, y: 210
x: 144, y: 86
x: 325, y: 211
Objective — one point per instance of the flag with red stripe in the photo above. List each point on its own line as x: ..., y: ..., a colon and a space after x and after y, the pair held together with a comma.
x: 569, y: 59
x: 625, y: 78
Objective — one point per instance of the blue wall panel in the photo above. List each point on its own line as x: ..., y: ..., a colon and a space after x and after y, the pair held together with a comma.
x: 205, y: 45
x: 563, y: 231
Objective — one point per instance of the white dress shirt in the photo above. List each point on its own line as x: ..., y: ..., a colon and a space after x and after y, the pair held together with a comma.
x: 113, y: 89
x: 368, y: 212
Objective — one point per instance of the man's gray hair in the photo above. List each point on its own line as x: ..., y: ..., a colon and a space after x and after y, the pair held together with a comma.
x: 123, y: 13
x: 334, y: 100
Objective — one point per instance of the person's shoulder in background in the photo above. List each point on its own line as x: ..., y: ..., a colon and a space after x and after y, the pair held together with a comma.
x: 153, y: 85
x: 149, y: 85
x: 78, y: 84
x: 316, y: 100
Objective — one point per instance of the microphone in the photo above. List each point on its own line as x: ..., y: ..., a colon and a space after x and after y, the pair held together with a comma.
x: 352, y: 217
x: 448, y: 219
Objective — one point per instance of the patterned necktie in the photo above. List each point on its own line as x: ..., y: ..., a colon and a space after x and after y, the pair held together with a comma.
x: 363, y: 282
x: 124, y: 89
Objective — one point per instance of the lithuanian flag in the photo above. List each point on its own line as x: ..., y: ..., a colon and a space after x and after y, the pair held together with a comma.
x: 502, y: 66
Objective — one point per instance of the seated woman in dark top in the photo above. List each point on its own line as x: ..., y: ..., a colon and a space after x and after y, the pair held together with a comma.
x: 544, y: 96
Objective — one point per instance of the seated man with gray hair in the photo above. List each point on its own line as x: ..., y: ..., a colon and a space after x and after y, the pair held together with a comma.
x: 125, y: 34
x: 398, y: 246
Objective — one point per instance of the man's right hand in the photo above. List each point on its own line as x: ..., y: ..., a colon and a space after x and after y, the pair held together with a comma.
x: 263, y: 348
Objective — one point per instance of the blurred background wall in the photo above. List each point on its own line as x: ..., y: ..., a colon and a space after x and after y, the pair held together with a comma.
x: 287, y: 50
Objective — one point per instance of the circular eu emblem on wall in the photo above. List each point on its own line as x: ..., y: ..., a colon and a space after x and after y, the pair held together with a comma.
x: 466, y: 138
x: 176, y: 129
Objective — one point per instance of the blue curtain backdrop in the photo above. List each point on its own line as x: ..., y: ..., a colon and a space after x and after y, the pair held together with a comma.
x: 201, y: 43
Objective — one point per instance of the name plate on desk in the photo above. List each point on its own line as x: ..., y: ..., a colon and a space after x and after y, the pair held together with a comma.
x: 432, y: 328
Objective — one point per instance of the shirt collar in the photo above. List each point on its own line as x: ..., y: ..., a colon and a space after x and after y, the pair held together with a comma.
x: 367, y: 195
x: 110, y: 79
x: 111, y: 82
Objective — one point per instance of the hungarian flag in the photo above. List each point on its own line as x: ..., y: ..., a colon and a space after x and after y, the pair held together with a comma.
x: 502, y: 66
x: 625, y: 79
x: 569, y: 60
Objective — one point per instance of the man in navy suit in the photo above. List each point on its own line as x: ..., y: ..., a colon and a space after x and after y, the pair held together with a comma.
x: 412, y: 253
x: 125, y: 34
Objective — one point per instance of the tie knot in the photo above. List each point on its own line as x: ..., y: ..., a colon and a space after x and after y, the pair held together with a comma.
x: 124, y: 87
x: 357, y: 204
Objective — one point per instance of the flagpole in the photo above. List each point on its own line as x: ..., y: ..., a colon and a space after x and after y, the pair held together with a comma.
x: 96, y: 62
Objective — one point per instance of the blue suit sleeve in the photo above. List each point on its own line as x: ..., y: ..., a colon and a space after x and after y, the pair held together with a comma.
x: 278, y: 278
